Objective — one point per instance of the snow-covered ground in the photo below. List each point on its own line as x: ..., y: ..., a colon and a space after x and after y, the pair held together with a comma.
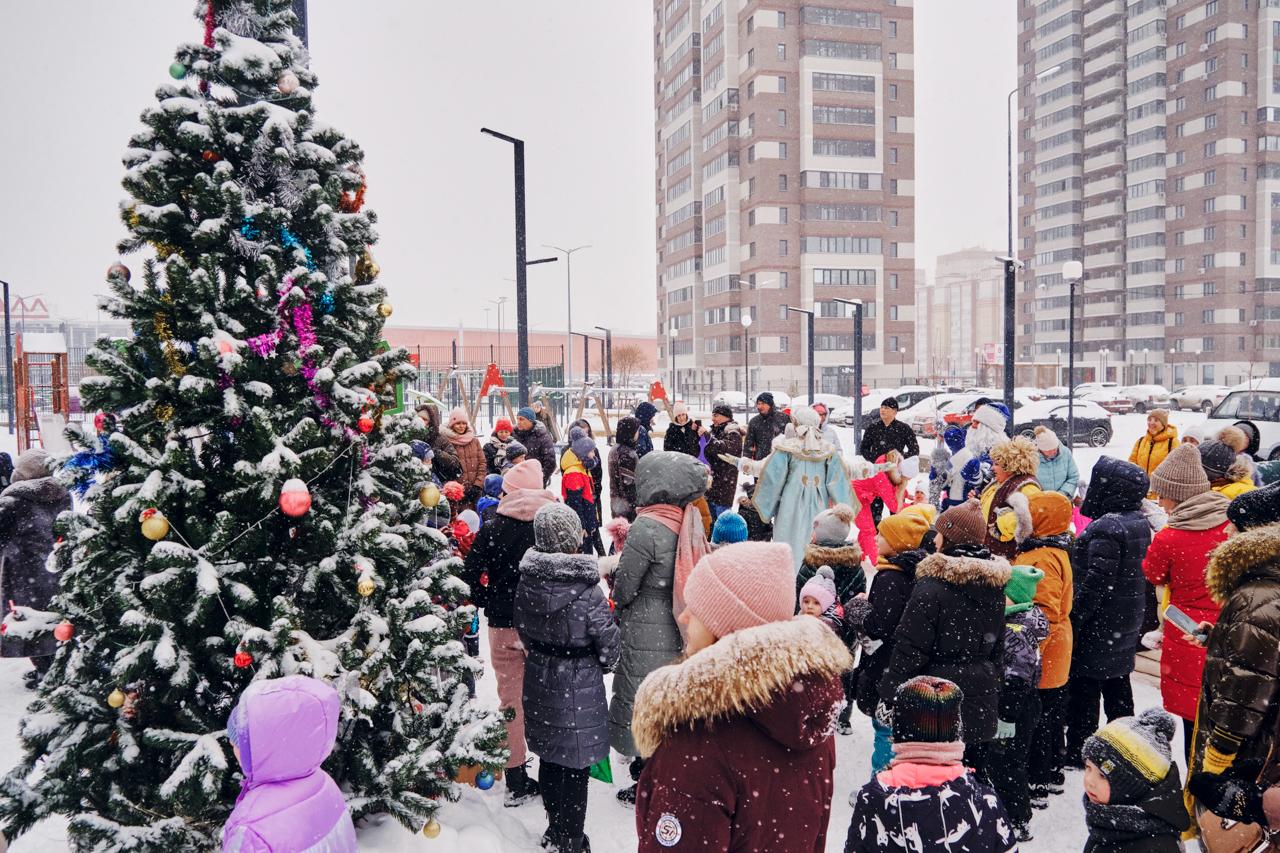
x: 480, y: 824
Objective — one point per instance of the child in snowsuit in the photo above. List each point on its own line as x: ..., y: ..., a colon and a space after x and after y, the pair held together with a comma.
x: 282, y: 730
x: 487, y: 506
x: 927, y: 800
x: 902, y: 542
x: 1133, y: 792
x: 830, y: 547
x: 572, y: 640
x: 867, y: 490
x: 1025, y: 628
x: 577, y: 486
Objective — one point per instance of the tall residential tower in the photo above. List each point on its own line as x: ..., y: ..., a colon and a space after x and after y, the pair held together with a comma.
x: 784, y: 154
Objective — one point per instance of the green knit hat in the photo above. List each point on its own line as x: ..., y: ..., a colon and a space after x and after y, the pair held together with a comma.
x: 1021, y: 588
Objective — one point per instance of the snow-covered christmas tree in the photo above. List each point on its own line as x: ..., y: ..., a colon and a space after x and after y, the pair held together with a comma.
x: 251, y: 507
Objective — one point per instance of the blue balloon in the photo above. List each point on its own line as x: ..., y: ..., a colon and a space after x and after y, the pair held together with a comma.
x: 484, y: 780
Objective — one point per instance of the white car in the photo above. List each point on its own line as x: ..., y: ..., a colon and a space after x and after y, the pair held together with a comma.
x: 870, y: 405
x: 736, y: 400
x: 927, y: 411
x: 1259, y: 406
x: 831, y: 401
x: 1146, y: 397
x: 1200, y: 398
x: 781, y: 399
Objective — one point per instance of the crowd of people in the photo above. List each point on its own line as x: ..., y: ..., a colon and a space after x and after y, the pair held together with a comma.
x: 978, y: 607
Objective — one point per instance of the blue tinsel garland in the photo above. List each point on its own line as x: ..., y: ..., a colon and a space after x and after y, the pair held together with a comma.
x: 87, y: 464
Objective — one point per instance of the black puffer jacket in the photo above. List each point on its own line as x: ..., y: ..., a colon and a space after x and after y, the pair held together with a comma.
x: 761, y: 430
x: 28, y: 509
x: 1106, y: 565
x: 492, y: 566
x: 1240, y: 693
x: 890, y: 589
x: 444, y: 460
x: 623, y: 460
x: 682, y: 438
x: 541, y: 447
x: 953, y: 628
x: 726, y: 438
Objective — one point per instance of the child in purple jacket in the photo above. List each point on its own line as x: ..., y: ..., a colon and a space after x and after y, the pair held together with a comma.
x: 281, y: 731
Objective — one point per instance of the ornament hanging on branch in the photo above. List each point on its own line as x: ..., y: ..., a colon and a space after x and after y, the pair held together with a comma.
x: 288, y: 83
x: 119, y: 270
x: 432, y: 828
x: 115, y: 698
x: 385, y: 309
x: 64, y: 631
x: 429, y: 495
x: 295, y: 498
x: 242, y: 659
x: 210, y: 156
x: 365, y: 586
x: 365, y: 424
x: 351, y: 203
x: 177, y: 70
x: 154, y: 525
x: 367, y: 268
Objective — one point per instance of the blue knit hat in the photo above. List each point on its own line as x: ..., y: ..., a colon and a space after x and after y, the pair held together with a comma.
x: 954, y: 436
x: 729, y: 528
x: 493, y: 485
x: 527, y: 412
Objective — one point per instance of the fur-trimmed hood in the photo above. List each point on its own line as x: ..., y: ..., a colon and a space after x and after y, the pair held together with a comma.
x: 833, y: 555
x: 564, y: 568
x: 713, y: 685
x: 1254, y: 553
x: 1021, y: 507
x: 963, y: 571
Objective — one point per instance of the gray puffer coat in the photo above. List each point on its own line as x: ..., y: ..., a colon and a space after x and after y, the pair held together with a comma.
x: 565, y: 625
x: 642, y: 584
x: 28, y: 509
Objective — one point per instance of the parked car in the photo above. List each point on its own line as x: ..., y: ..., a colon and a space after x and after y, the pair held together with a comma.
x: 1256, y: 409
x: 781, y: 399
x: 870, y: 406
x: 1199, y: 398
x: 1146, y: 397
x: 1108, y: 398
x: 1030, y: 393
x: 1092, y: 422
x: 1097, y: 386
x: 959, y: 412
x: 831, y: 401
x: 926, y: 413
x: 1056, y: 392
x: 907, y: 396
x: 736, y: 400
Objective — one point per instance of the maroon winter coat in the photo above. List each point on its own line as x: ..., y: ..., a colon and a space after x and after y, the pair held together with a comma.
x: 738, y: 741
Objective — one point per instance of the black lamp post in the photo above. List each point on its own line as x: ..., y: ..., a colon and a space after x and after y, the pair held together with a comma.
x: 10, y: 391
x: 608, y: 358
x: 1072, y: 272
x: 857, y: 367
x: 810, y: 315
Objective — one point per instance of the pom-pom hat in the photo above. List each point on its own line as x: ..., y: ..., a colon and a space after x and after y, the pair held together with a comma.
x: 821, y: 587
x: 1133, y: 753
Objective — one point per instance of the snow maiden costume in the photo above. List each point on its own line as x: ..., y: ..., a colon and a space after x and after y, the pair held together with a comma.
x: 803, y: 476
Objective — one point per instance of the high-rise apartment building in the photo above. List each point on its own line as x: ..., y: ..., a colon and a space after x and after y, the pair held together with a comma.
x: 959, y: 318
x: 1145, y: 153
x: 785, y: 152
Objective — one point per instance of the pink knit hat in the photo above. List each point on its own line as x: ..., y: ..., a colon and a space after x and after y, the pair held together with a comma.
x: 742, y: 586
x: 458, y: 415
x: 526, y: 475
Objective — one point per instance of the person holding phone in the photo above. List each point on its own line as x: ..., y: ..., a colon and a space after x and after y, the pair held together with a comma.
x: 1177, y: 559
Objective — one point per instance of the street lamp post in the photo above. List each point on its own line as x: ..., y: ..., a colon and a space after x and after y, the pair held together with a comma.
x: 522, y: 290
x: 568, y: 287
x: 902, y: 379
x: 1057, y: 367
x: 1145, y: 350
x: 608, y: 359
x: 675, y: 382
x: 857, y: 367
x: 10, y: 392
x: 1072, y: 272
x: 807, y: 312
x: 746, y: 319
x: 500, y: 302
x: 1102, y: 360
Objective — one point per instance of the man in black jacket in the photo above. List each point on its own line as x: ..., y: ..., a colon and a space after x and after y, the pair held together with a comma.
x: 887, y: 434
x: 764, y: 427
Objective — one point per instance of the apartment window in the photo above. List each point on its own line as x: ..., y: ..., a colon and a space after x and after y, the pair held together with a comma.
x: 1210, y: 149
x: 893, y: 29
x: 1211, y: 93
x: 1179, y: 50
x: 893, y: 60
x: 893, y: 91
x: 1210, y: 233
x: 1206, y: 316
x: 826, y: 82
x: 1211, y: 65
x: 784, y: 344
x: 1207, y: 261
x: 751, y: 153
x: 893, y: 281
x: 844, y: 147
x: 893, y: 217
x: 751, y: 58
x: 893, y: 124
x: 893, y: 186
x: 782, y: 18
x: 751, y: 89
x: 1210, y: 177
x: 782, y: 184
x: 751, y: 24
x: 782, y: 118
x: 782, y: 84
x: 1210, y: 288
x: 893, y: 343
x: 783, y: 313
x: 1178, y: 319
x: 1180, y: 22
x: 782, y: 150
x: 751, y: 249
x: 1206, y: 344
x: 1211, y: 35
x: 1211, y: 120
x: 783, y: 216
x: 782, y: 247
x: 844, y: 115
x: 893, y: 250
x: 1211, y: 8
x: 751, y: 187
x: 782, y: 51
x: 751, y: 218
x: 893, y: 155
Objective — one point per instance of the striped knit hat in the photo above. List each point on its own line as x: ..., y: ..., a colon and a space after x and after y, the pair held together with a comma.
x: 927, y: 710
x: 1133, y: 753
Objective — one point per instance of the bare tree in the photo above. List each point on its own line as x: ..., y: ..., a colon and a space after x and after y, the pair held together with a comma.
x: 627, y: 361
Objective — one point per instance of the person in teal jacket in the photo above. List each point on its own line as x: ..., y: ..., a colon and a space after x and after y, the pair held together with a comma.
x: 802, y: 476
x: 1057, y: 471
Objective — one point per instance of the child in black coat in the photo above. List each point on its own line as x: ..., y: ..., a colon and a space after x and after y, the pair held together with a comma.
x: 1133, y: 792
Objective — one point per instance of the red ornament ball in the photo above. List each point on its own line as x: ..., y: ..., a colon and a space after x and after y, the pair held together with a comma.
x: 64, y: 631
x: 100, y: 421
x: 210, y: 157
x: 295, y: 498
x: 365, y: 424
x: 242, y: 659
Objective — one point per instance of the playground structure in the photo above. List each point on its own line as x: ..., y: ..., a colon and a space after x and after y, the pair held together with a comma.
x: 41, y: 390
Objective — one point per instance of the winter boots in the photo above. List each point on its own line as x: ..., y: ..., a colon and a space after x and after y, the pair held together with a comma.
x: 521, y: 788
x: 627, y: 796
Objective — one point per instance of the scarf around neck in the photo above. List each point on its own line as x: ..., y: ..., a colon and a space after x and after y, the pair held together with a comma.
x: 919, y: 752
x: 459, y: 440
x: 1202, y: 512
x: 691, y: 543
x: 522, y: 504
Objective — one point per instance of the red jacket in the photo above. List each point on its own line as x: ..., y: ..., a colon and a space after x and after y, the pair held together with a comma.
x: 1178, y: 558
x: 758, y: 779
x: 866, y: 491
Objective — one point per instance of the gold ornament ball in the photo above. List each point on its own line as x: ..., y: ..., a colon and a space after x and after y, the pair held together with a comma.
x: 432, y: 829
x: 430, y: 495
x: 154, y: 525
x: 288, y: 83
x: 116, y: 698
x: 385, y: 309
x: 365, y: 587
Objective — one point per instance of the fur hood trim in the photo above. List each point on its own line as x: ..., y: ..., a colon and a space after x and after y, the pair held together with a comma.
x: 714, y: 683
x: 832, y: 555
x: 965, y: 570
x: 565, y: 568
x: 1254, y: 552
x: 734, y: 427
x: 1021, y: 507
x: 609, y: 565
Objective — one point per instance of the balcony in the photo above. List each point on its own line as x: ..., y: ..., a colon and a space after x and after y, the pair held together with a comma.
x: 1110, y: 234
x: 1099, y: 186
x: 1103, y: 160
x: 1104, y: 61
x: 1102, y: 259
x: 1111, y: 109
x: 1107, y: 10
x: 1102, y: 86
x: 1103, y: 210
x: 1103, y: 135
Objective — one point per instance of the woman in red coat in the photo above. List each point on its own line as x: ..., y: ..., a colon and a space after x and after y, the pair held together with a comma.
x: 738, y: 735
x: 1177, y: 559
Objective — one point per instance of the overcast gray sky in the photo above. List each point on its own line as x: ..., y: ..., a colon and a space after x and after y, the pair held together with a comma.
x: 413, y: 82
